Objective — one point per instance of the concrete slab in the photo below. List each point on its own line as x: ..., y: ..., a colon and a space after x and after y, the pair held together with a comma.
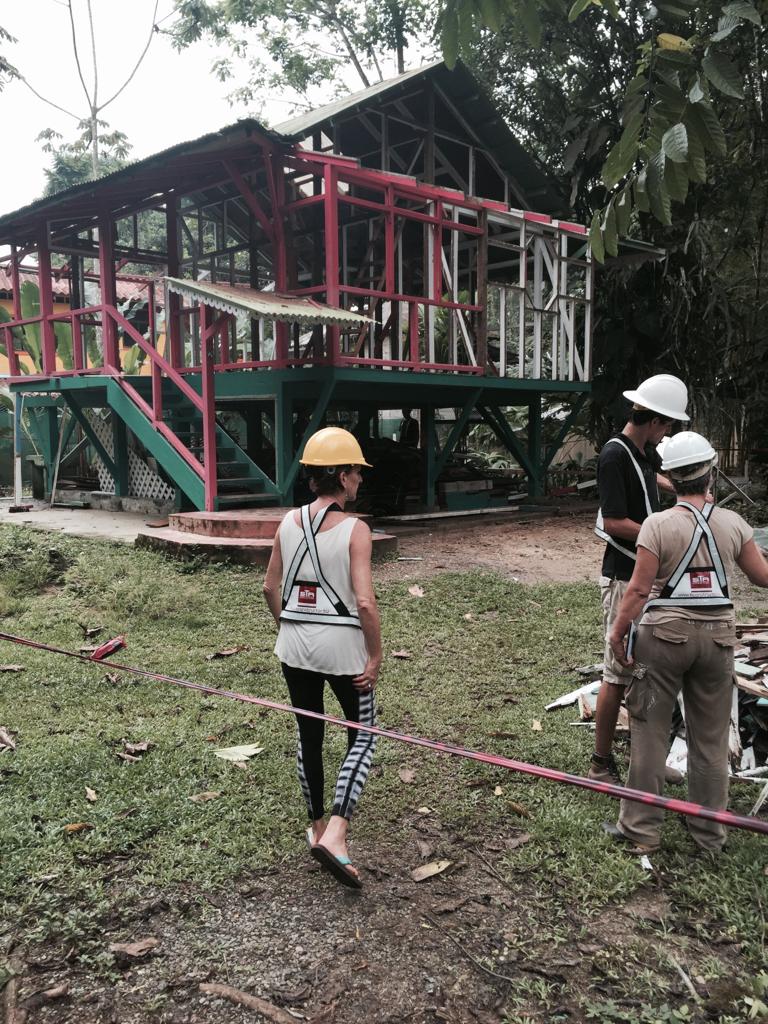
x: 243, y: 550
x: 121, y: 527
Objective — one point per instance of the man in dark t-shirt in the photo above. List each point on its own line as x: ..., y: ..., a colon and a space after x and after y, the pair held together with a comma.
x: 628, y: 484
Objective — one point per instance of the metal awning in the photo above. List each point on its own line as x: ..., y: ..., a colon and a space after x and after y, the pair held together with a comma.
x: 264, y: 305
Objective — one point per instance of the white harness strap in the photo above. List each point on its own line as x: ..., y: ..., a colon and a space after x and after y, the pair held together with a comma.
x: 600, y: 523
x: 689, y: 586
x: 313, y: 600
x: 703, y: 586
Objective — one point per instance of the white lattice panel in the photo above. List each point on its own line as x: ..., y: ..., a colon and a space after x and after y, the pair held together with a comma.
x: 143, y: 482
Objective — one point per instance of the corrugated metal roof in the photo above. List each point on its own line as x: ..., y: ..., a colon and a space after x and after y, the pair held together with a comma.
x: 304, y: 123
x: 477, y: 109
x: 267, y: 305
x: 60, y: 285
x: 230, y: 132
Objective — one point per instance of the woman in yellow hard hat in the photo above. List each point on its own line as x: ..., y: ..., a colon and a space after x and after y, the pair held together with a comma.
x: 319, y: 589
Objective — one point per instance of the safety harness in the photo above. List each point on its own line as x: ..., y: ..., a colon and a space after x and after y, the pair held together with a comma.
x: 693, y: 586
x: 702, y: 586
x: 313, y: 600
x: 600, y: 523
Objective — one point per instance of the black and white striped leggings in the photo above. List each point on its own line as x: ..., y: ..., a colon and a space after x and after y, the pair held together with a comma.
x: 306, y: 690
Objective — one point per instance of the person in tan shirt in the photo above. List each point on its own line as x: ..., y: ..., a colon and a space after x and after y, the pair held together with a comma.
x: 684, y: 643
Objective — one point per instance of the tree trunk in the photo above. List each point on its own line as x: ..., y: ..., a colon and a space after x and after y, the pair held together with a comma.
x: 94, y: 144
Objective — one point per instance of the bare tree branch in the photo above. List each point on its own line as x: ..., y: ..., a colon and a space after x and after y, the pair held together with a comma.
x: 138, y: 62
x: 77, y: 55
x: 95, y: 62
x: 49, y: 102
x: 93, y: 51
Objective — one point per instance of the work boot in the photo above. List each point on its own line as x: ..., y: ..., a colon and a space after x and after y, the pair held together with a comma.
x: 673, y: 776
x: 604, y: 769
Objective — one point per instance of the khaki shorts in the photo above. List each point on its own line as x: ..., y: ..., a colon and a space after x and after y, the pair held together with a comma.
x: 611, y: 595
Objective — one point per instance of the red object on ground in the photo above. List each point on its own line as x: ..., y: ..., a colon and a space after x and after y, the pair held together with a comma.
x: 108, y: 648
x: 551, y: 774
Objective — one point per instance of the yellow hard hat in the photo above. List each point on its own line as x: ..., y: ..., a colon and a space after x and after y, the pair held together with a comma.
x: 333, y: 446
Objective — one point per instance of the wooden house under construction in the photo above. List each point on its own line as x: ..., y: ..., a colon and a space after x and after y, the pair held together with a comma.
x: 397, y: 248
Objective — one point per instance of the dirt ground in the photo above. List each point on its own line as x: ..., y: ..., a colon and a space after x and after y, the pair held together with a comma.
x: 403, y: 951
x: 556, y: 548
x: 540, y: 549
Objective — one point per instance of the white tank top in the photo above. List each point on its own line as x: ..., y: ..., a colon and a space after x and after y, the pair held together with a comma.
x: 331, y: 649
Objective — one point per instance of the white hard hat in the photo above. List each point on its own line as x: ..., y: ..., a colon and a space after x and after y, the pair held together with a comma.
x: 664, y: 394
x: 661, y: 447
x: 687, y: 449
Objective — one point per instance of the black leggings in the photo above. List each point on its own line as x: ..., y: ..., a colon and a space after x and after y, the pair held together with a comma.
x: 306, y: 690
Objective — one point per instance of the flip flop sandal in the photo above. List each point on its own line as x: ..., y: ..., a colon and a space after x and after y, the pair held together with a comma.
x: 338, y: 866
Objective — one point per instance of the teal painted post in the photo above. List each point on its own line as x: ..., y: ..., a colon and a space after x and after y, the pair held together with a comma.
x: 536, y: 474
x: 50, y: 442
x: 120, y: 456
x: 429, y: 442
x: 284, y: 443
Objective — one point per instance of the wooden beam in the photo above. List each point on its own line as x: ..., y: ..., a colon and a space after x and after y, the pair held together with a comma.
x: 253, y: 204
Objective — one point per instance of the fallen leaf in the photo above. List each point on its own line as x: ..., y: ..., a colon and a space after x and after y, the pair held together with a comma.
x: 112, y: 677
x: 203, y: 798
x: 239, y: 754
x: 401, y: 654
x: 7, y: 742
x: 227, y: 652
x: 469, y: 616
x: 536, y: 725
x: 449, y: 906
x: 136, y: 748
x: 416, y: 590
x: 37, y: 999
x: 78, y: 826
x: 91, y: 795
x: 423, y: 810
x: 425, y: 849
x: 134, y: 950
x: 519, y: 809
x: 126, y: 757
x: 407, y: 775
x: 11, y: 668
x: 513, y: 842
x: 498, y: 791
x: 435, y: 867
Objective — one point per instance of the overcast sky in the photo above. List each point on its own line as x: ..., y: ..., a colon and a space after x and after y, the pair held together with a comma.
x: 173, y: 97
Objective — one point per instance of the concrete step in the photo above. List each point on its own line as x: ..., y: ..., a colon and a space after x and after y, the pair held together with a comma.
x: 250, y: 523
x: 242, y: 550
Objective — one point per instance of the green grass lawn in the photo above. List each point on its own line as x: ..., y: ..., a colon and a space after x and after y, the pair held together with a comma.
x: 486, y: 656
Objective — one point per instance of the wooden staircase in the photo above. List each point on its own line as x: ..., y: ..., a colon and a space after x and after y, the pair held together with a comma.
x: 240, y: 482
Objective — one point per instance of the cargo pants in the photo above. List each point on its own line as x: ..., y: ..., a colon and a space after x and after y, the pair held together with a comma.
x: 696, y: 657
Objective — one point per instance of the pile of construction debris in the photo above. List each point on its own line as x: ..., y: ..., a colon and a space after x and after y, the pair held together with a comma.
x: 748, y: 741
